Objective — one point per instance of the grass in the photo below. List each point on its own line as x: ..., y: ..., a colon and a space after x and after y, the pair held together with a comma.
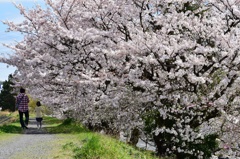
x: 12, y: 125
x: 68, y: 126
x: 73, y: 141
x: 9, y: 129
x: 99, y: 146
x: 78, y: 142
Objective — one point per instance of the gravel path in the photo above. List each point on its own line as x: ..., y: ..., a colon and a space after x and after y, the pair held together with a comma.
x: 32, y: 144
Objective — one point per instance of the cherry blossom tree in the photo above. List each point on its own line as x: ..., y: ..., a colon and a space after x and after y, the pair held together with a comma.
x: 169, y: 69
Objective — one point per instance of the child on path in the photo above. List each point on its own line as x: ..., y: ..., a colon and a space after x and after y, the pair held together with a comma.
x: 39, y: 118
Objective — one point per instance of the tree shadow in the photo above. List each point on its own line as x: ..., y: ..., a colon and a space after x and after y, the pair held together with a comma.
x: 50, y: 126
x: 68, y: 126
x: 11, y: 129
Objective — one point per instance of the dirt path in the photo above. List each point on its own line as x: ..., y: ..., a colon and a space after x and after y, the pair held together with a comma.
x: 32, y: 144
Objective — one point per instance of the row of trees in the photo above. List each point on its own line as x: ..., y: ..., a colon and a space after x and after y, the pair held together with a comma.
x: 166, y: 68
x: 7, y: 95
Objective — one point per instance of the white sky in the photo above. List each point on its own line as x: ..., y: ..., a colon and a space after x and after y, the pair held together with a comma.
x: 9, y: 12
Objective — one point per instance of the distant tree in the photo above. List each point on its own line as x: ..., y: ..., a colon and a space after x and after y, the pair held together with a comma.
x: 7, y: 99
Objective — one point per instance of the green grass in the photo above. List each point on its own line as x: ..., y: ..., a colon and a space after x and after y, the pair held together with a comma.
x: 12, y: 126
x: 97, y: 146
x: 68, y: 126
x: 82, y: 143
x: 11, y: 129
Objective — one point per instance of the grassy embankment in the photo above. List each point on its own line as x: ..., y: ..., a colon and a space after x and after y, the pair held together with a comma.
x: 75, y: 141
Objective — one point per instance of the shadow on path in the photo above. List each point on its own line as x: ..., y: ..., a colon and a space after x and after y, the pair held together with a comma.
x: 50, y: 126
x: 33, y: 129
x: 16, y: 128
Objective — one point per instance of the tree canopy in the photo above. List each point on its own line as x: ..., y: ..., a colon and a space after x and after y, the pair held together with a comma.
x: 168, y: 68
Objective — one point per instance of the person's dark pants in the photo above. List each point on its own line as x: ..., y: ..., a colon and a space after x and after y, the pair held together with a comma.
x: 21, y: 118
